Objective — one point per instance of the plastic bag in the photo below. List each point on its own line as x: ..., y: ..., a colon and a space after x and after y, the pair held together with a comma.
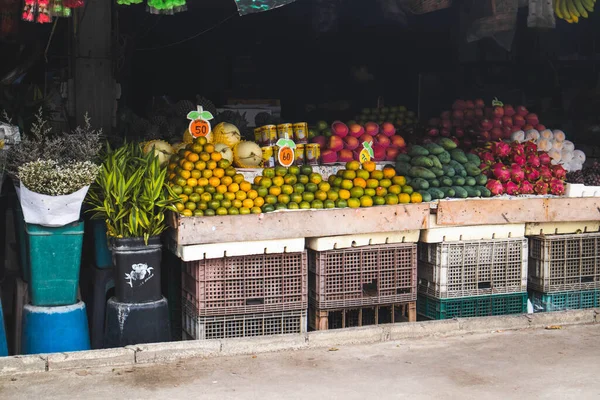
x: 253, y: 6
x: 541, y: 14
x: 53, y: 211
x: 496, y: 19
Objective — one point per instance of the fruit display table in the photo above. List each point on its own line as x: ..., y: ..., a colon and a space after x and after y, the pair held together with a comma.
x: 323, y: 170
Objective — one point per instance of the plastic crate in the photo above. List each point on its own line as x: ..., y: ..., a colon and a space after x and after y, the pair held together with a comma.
x: 246, y: 284
x: 361, y: 316
x: 559, y: 263
x: 478, y: 306
x: 473, y: 268
x: 545, y: 302
x: 244, y: 325
x: 368, y: 275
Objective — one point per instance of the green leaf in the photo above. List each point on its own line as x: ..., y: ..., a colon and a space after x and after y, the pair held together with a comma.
x: 206, y: 115
x: 193, y: 115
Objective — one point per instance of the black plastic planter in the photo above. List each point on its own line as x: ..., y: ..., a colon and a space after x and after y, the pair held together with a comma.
x: 137, y: 269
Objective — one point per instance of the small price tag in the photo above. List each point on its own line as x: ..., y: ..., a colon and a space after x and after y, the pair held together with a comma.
x: 366, y: 153
x: 199, y: 122
x: 286, y: 154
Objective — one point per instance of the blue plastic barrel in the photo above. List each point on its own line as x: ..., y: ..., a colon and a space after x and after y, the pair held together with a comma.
x: 55, y: 329
x: 103, y: 255
x: 54, y: 258
x: 3, y: 345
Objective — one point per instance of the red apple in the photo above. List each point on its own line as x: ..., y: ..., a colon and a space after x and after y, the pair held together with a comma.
x: 336, y: 143
x: 532, y: 119
x: 459, y: 132
x: 366, y: 138
x: 379, y: 152
x: 446, y: 124
x: 433, y: 132
x: 518, y: 120
x: 339, y: 129
x: 320, y: 140
x: 498, y: 112
x: 485, y: 136
x: 497, y: 123
x: 478, y: 113
x: 486, y: 124
x: 540, y: 127
x: 470, y: 115
x: 356, y: 130
x: 496, y: 133
x: 382, y: 140
x: 398, y: 141
x: 509, y: 111
x: 345, y: 155
x: 328, y: 156
x: 479, y: 104
x: 391, y: 153
x: 445, y: 132
x: 522, y: 111
x: 458, y: 114
x: 388, y: 129
x: 507, y: 121
x: 527, y: 127
x: 351, y: 143
x: 470, y: 105
x: 459, y: 105
x: 372, y: 128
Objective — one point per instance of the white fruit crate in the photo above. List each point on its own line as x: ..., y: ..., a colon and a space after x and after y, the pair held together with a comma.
x: 558, y: 228
x: 581, y: 190
x: 236, y: 249
x: 367, y: 239
x: 473, y: 268
x: 439, y: 233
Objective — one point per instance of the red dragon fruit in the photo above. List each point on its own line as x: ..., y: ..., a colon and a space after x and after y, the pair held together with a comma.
x: 511, y: 188
x: 557, y: 187
x: 517, y: 148
x: 501, y: 173
x: 516, y: 174
x: 487, y: 158
x: 532, y: 174
x: 526, y: 188
x: 540, y: 187
x: 495, y: 187
x: 533, y: 160
x: 500, y: 149
x: 519, y: 160
x: 544, y: 158
x: 545, y: 173
x: 530, y: 147
x: 559, y: 172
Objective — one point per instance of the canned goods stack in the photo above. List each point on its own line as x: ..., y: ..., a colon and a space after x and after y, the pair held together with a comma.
x: 268, y: 135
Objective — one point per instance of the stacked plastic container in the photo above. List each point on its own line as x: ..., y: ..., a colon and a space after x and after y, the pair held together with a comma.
x: 472, y: 273
x: 362, y: 280
x: 564, y: 271
x: 247, y: 295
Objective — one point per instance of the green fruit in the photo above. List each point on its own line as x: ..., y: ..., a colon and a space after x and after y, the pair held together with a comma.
x: 329, y: 204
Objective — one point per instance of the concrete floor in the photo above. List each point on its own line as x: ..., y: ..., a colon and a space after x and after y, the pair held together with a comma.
x: 532, y: 364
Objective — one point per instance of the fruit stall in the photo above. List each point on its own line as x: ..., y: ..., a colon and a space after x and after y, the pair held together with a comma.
x: 211, y: 223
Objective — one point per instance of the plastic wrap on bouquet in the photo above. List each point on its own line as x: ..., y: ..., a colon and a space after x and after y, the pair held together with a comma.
x: 52, y: 211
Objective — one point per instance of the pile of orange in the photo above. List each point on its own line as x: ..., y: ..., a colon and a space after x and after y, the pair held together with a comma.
x: 365, y: 186
x: 208, y: 185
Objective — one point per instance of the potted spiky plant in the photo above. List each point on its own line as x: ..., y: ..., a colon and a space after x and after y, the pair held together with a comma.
x: 131, y: 196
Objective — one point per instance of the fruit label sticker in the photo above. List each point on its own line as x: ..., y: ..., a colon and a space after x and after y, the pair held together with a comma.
x: 366, y: 153
x: 286, y: 154
x: 199, y: 122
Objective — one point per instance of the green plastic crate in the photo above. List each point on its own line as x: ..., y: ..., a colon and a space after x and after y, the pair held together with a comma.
x: 574, y: 300
x: 475, y: 306
x: 55, y: 258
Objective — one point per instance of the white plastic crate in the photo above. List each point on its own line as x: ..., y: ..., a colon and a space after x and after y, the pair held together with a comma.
x: 367, y: 239
x: 560, y: 263
x: 558, y: 228
x: 581, y: 190
x: 236, y: 249
x: 440, y: 233
x: 473, y: 268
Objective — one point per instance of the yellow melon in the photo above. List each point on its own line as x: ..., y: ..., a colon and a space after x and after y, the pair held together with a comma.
x: 247, y: 155
x: 226, y: 133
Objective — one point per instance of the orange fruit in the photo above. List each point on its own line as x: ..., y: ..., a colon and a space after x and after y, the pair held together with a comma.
x: 226, y: 180
x: 344, y: 194
x: 216, y: 156
x: 296, y: 198
x: 193, y: 157
x: 347, y: 174
x: 391, y: 199
x: 221, y: 189
x: 357, y: 192
x: 353, y: 165
x: 283, y: 198
x: 229, y: 196
x: 179, y: 206
x: 259, y: 202
x: 197, y: 148
x: 172, y: 166
x: 211, y: 164
x: 236, y: 203
x: 209, y: 148
x: 370, y: 192
x: 257, y: 180
x: 238, y: 178
x: 381, y: 191
x: 196, y: 174
x: 202, y: 181
x: 404, y: 198
x: 366, y: 201
x: 316, y: 178
x: 407, y: 189
x: 200, y: 140
x: 188, y: 166
x: 386, y: 183
x: 361, y: 173
x: 377, y: 175
x: 347, y: 184
x: 187, y: 213
x: 395, y: 189
x: 205, y: 197
x: 372, y: 183
x: 321, y: 195
x: 389, y: 172
x: 379, y: 201
x: 244, y: 211
x: 219, y: 172
x: 278, y: 181
x: 290, y: 179
x: 275, y: 190
x: 188, y: 190
x: 233, y: 188
x: 245, y: 186
x: 241, y: 195
x: 230, y: 171
x: 287, y: 189
x: 353, y: 202
x: 223, y: 163
x: 185, y: 174
x: 360, y: 182
x: 248, y: 203
x: 269, y: 172
x: 252, y: 194
x: 369, y: 166
x: 416, y: 197
x: 214, y: 181
x: 256, y: 210
x: 184, y: 198
x: 324, y: 186
x: 204, y: 156
x: 333, y: 195
x: 193, y: 182
x: 308, y: 196
x: 266, y: 182
x: 399, y: 180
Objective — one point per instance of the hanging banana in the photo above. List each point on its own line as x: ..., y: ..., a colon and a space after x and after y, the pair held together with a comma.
x: 572, y: 10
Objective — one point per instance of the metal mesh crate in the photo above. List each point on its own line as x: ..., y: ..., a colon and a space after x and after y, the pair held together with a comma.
x: 243, y: 325
x: 361, y: 316
x: 478, y: 306
x: 368, y: 275
x: 246, y: 284
x: 473, y: 268
x: 580, y: 299
x: 561, y: 263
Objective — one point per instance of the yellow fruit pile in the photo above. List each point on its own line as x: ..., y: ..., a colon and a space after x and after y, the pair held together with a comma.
x: 365, y: 186
x: 208, y: 185
x: 296, y: 187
